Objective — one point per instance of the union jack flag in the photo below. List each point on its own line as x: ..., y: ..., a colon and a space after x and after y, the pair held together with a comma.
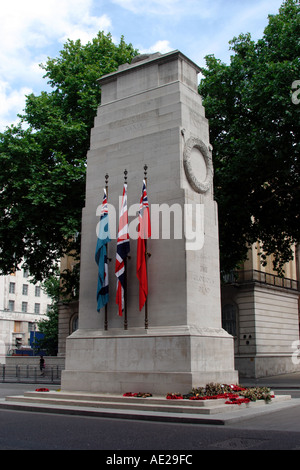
x: 144, y: 232
x: 101, y: 255
x: 123, y: 248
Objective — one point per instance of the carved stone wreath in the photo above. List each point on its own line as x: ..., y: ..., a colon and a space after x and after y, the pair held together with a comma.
x: 198, y: 186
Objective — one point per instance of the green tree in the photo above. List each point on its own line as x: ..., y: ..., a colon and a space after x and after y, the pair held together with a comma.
x: 49, y: 326
x: 43, y: 159
x: 254, y: 129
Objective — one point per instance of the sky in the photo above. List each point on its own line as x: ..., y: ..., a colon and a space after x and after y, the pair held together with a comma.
x: 33, y: 30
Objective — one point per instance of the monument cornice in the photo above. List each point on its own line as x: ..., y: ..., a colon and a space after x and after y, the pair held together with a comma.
x: 149, y: 60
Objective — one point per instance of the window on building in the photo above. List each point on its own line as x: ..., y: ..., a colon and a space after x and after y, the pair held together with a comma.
x: 17, y: 327
x: 229, y: 313
x: 25, y: 289
x: 37, y: 291
x: 30, y: 327
x: 37, y: 308
x: 74, y: 323
x: 11, y: 305
x: 12, y: 286
x: 24, y: 307
x: 25, y: 273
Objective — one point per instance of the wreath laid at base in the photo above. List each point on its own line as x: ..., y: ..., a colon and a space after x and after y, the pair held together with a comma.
x: 234, y: 394
x: 139, y: 394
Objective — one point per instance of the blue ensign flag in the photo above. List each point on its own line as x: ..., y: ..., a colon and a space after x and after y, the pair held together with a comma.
x: 101, y: 255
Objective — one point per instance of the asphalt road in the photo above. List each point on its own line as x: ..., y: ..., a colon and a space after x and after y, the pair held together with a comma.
x: 40, y: 431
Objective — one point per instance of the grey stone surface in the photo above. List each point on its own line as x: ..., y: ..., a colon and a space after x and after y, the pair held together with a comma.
x: 149, y: 113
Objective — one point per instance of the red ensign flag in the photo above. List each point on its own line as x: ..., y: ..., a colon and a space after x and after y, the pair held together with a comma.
x: 144, y: 232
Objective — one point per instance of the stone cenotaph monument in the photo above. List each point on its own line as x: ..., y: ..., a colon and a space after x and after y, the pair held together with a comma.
x: 151, y: 114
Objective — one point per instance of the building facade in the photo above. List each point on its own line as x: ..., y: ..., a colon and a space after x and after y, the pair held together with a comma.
x: 261, y: 311
x: 22, y: 306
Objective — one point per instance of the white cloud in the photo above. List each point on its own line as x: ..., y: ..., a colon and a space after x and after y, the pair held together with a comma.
x: 12, y: 102
x: 86, y: 28
x: 162, y: 46
x: 149, y: 6
x: 37, y: 23
x: 30, y: 31
x: 174, y: 8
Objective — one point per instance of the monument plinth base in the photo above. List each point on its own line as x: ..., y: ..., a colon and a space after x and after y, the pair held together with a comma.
x: 157, y: 360
x: 151, y: 114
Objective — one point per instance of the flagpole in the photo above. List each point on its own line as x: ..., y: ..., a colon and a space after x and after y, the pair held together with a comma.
x: 125, y: 274
x: 105, y: 313
x: 146, y: 259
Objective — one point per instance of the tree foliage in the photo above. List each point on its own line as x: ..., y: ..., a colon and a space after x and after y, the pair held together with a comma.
x: 255, y: 132
x: 254, y: 128
x: 49, y: 326
x: 43, y: 159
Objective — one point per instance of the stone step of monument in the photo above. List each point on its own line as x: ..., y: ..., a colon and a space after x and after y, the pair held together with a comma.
x: 168, y: 407
x: 134, y: 407
x: 114, y: 398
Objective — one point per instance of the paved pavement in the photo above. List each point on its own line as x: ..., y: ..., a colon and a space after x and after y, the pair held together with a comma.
x: 16, y: 388
x: 284, y: 415
x: 284, y: 381
x: 279, y: 429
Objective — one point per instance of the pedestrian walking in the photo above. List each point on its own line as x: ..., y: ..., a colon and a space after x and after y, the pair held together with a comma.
x: 42, y: 365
